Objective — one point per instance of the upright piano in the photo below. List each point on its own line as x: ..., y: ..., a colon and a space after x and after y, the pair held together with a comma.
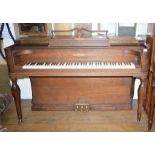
x: 79, y: 73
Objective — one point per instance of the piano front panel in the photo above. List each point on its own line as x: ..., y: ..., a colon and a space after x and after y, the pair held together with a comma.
x: 65, y: 93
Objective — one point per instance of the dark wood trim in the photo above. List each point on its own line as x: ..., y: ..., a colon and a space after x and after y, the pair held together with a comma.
x: 68, y: 107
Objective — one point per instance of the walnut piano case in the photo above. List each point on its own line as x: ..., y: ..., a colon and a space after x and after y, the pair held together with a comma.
x: 79, y: 89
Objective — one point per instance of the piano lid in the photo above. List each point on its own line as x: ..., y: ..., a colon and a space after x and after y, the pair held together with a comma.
x: 78, y: 40
x: 93, y: 41
x: 125, y: 40
x: 65, y: 41
x: 44, y: 40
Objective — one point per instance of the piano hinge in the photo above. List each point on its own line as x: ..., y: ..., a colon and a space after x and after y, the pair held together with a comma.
x: 81, y: 107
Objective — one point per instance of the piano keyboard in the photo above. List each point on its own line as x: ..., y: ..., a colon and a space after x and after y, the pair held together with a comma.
x: 80, y: 65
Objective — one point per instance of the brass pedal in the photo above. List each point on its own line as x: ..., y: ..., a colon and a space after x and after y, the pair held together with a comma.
x: 81, y: 107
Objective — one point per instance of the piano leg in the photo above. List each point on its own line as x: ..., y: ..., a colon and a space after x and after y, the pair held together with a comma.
x: 151, y: 102
x: 151, y: 113
x: 141, y: 97
x: 16, y: 94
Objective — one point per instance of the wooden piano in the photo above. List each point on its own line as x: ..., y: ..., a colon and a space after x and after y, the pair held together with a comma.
x: 79, y: 73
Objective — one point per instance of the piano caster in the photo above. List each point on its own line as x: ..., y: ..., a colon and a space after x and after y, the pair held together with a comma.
x: 150, y: 122
x: 19, y: 120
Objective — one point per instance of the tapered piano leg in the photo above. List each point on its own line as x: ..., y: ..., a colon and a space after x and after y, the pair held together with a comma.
x: 16, y: 94
x: 141, y: 97
x: 151, y: 103
x: 151, y: 113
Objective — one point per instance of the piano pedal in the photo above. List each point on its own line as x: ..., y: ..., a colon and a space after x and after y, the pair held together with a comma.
x: 81, y: 107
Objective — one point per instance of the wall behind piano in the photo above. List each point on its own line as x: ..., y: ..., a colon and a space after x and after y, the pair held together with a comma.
x: 141, y: 28
x: 24, y: 84
x: 7, y: 39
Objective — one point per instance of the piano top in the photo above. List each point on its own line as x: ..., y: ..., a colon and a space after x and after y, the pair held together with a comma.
x: 68, y: 41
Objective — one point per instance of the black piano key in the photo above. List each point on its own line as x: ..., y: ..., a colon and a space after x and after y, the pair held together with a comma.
x: 90, y: 63
x: 47, y: 63
x: 40, y: 63
x: 32, y: 63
